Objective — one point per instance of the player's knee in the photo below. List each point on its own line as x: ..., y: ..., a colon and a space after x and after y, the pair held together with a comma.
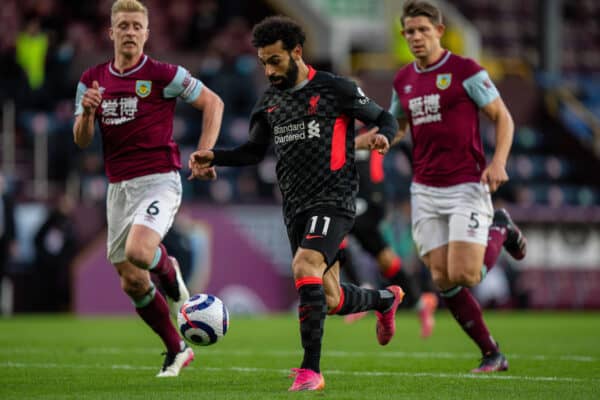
x: 306, y: 264
x: 440, y: 278
x: 135, y: 285
x: 139, y: 256
x: 441, y: 282
x: 302, y: 269
x: 465, y: 277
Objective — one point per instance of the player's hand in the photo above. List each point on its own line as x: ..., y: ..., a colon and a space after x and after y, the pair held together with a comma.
x: 363, y: 141
x: 494, y: 175
x: 199, y: 165
x: 92, y: 98
x: 380, y: 143
x: 201, y: 158
x: 204, y: 174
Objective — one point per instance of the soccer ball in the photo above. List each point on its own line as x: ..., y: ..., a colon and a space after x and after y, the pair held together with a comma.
x: 203, y: 319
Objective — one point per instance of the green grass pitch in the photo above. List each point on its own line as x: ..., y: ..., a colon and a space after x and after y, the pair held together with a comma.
x: 551, y: 356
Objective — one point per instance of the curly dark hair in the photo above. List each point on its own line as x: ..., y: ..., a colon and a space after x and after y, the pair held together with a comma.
x: 274, y: 28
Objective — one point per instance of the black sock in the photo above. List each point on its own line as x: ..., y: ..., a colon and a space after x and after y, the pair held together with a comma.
x: 410, y: 285
x: 357, y: 299
x: 312, y: 311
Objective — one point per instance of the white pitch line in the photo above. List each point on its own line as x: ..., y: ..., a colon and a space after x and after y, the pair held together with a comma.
x: 331, y: 353
x: 495, y: 376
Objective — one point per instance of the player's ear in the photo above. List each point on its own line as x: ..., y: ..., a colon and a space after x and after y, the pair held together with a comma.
x: 111, y: 33
x: 440, y: 28
x: 297, y: 52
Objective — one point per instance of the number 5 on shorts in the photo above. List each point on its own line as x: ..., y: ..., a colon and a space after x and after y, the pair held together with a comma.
x: 474, y: 221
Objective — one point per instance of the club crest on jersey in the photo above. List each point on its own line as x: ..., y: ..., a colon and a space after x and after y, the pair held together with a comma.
x: 313, y: 103
x: 143, y: 88
x: 443, y: 81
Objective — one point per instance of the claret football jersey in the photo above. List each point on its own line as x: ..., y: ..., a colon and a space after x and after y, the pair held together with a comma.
x: 441, y: 104
x: 136, y: 115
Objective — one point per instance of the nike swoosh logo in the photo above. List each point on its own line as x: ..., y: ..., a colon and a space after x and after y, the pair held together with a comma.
x: 313, y: 236
x: 271, y: 109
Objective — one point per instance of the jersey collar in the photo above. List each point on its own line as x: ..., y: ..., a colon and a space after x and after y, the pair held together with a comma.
x: 311, y: 74
x: 435, y: 65
x: 130, y: 70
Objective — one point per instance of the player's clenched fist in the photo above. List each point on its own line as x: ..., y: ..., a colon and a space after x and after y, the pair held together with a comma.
x: 380, y: 143
x: 199, y: 165
x: 91, y: 98
x: 372, y: 140
x: 201, y: 158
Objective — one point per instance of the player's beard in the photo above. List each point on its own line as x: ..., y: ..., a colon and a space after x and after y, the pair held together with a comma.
x: 289, y: 80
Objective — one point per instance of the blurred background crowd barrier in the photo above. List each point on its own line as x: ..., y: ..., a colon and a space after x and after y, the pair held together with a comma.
x: 544, y: 55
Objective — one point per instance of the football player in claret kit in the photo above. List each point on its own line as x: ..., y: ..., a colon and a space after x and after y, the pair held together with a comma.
x: 132, y: 97
x: 308, y: 116
x: 458, y: 234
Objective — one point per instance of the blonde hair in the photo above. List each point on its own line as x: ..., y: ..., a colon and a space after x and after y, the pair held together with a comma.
x: 127, y: 6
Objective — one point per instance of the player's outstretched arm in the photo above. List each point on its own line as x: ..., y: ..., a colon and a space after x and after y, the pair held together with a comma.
x: 250, y: 153
x: 495, y: 173
x: 83, y: 128
x: 212, y: 107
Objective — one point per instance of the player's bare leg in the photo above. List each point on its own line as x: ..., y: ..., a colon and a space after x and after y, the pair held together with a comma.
x: 144, y: 249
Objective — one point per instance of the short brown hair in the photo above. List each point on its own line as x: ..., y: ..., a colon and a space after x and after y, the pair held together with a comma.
x: 419, y: 8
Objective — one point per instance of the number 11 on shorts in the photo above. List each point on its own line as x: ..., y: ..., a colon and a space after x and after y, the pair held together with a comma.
x: 313, y: 225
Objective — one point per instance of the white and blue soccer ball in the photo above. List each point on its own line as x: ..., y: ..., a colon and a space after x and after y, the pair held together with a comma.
x: 203, y: 319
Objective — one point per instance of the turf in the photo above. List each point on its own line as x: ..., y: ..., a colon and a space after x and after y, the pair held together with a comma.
x: 551, y: 355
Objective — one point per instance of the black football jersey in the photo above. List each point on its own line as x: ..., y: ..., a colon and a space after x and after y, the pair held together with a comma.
x: 311, y: 128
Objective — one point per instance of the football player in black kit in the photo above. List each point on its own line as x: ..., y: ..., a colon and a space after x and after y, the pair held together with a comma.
x: 308, y: 116
x: 370, y: 212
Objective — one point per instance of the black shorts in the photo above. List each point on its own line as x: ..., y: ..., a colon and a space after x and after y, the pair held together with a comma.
x: 366, y: 229
x: 321, y: 229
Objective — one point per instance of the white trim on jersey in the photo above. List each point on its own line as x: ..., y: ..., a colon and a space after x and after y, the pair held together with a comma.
x: 434, y: 66
x: 121, y: 75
